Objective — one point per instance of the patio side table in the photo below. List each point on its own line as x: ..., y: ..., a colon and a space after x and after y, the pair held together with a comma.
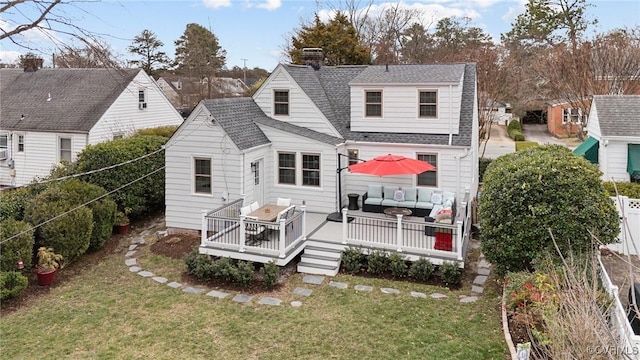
x: 353, y: 201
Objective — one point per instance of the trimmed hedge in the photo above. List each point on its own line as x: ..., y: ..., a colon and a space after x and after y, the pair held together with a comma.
x: 16, y: 249
x: 521, y: 145
x: 103, y: 210
x: 546, y: 187
x: 141, y: 197
x: 68, y: 235
x: 164, y: 131
x: 628, y: 189
x: 514, y: 125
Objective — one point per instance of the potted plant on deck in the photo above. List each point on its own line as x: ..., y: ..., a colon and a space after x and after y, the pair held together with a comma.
x: 122, y: 222
x: 48, y: 264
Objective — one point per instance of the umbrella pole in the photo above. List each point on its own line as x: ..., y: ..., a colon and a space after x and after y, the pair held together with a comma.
x: 337, y: 216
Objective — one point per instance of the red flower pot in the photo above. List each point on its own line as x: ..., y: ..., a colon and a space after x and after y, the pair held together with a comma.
x: 46, y: 278
x: 122, y: 229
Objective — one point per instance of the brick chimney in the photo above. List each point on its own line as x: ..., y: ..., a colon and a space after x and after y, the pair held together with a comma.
x: 32, y: 63
x: 312, y: 57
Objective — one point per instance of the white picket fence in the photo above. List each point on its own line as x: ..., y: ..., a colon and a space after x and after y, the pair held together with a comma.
x: 629, y: 238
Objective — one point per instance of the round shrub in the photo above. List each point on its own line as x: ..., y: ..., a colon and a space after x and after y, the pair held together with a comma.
x: 224, y: 269
x: 68, y: 235
x: 199, y: 265
x: 450, y: 274
x: 17, y: 249
x: 143, y: 196
x: 514, y: 125
x: 11, y: 284
x: 270, y: 273
x: 244, y: 273
x: 103, y: 210
x: 352, y: 260
x: 377, y: 262
x: 421, y: 270
x: 526, y: 193
x: 397, y: 265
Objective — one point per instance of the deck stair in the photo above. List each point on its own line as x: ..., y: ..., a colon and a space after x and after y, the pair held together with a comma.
x: 321, y: 258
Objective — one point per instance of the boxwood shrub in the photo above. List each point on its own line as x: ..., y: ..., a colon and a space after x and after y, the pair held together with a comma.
x: 397, y: 265
x: 450, y: 274
x: 377, y: 262
x: 103, y: 210
x: 628, y: 189
x: 422, y: 269
x: 70, y: 234
x: 17, y: 249
x: 13, y: 201
x: 526, y: 193
x: 270, y: 273
x: 11, y: 284
x: 164, y: 131
x: 352, y: 260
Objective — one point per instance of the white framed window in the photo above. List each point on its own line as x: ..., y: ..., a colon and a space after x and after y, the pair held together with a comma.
x: 311, y: 170
x: 142, y: 99
x: 428, y: 178
x: 428, y: 103
x: 352, y: 154
x: 373, y: 103
x: 281, y: 102
x: 3, y: 147
x: 287, y: 168
x: 65, y: 149
x: 572, y: 115
x: 20, y: 143
x: 202, y: 176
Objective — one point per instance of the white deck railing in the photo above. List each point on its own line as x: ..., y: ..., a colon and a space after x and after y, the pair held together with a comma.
x: 407, y: 235
x: 628, y: 341
x: 224, y: 228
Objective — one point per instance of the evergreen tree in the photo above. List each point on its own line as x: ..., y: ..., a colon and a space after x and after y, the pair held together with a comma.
x: 147, y: 46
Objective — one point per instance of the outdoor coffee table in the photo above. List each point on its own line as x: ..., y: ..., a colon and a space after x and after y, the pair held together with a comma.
x: 393, y: 211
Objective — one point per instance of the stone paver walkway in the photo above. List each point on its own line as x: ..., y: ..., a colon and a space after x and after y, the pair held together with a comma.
x: 483, y: 271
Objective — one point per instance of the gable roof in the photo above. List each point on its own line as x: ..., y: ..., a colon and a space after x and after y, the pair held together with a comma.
x: 299, y: 130
x: 61, y: 100
x: 329, y: 89
x: 618, y: 115
x: 237, y: 118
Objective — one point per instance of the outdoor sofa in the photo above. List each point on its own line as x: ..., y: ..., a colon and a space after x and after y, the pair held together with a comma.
x: 421, y: 201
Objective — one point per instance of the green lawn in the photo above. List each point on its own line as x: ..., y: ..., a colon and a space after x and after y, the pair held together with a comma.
x: 108, y: 312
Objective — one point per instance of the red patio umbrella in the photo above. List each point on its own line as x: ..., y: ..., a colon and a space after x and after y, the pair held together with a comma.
x: 391, y: 165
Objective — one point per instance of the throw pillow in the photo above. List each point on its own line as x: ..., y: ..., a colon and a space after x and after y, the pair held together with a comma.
x: 398, y: 195
x: 436, y: 197
x: 443, y: 216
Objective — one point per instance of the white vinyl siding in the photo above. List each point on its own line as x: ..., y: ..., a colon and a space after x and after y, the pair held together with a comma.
x: 183, y: 206
x: 401, y: 110
x: 302, y: 110
x: 123, y: 116
x: 614, y: 166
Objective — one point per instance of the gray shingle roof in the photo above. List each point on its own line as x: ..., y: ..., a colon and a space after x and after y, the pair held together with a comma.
x: 335, y: 100
x: 299, y: 130
x: 410, y: 74
x: 618, y: 115
x: 238, y: 117
x: 78, y: 97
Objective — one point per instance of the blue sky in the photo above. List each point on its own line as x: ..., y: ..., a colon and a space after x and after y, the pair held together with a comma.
x: 256, y: 30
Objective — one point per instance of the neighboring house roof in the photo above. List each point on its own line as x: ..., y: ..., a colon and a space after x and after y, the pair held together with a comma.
x: 61, y: 100
x: 618, y: 114
x: 410, y: 74
x: 237, y: 117
x: 329, y: 89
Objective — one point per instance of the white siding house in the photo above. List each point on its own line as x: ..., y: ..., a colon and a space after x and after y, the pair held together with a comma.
x: 614, y: 129
x: 293, y: 140
x: 50, y: 115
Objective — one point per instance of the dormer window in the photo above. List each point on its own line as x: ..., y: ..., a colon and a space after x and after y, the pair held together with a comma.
x: 373, y: 104
x: 428, y: 103
x: 281, y: 102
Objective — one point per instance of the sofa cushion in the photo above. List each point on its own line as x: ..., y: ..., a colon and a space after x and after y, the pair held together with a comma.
x: 389, y: 202
x: 435, y: 210
x: 448, y: 195
x: 410, y: 194
x: 423, y: 205
x: 424, y: 195
x: 372, y: 201
x: 407, y: 204
x: 448, y: 203
x: 375, y: 191
x: 389, y: 191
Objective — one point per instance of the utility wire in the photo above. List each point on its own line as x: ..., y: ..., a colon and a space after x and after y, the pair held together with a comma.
x: 79, y: 206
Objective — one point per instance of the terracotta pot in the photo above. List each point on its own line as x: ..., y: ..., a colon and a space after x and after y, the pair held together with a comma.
x: 46, y: 278
x: 122, y: 229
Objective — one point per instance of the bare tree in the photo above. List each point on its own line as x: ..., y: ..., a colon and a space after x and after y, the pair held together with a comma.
x: 92, y: 55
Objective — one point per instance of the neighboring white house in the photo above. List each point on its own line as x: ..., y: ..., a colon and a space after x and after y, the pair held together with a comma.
x: 497, y: 111
x: 285, y: 141
x: 50, y: 115
x: 614, y: 137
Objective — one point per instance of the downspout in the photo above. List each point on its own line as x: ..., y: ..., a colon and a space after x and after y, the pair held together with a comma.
x: 458, y: 164
x: 451, y: 115
x: 243, y: 172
